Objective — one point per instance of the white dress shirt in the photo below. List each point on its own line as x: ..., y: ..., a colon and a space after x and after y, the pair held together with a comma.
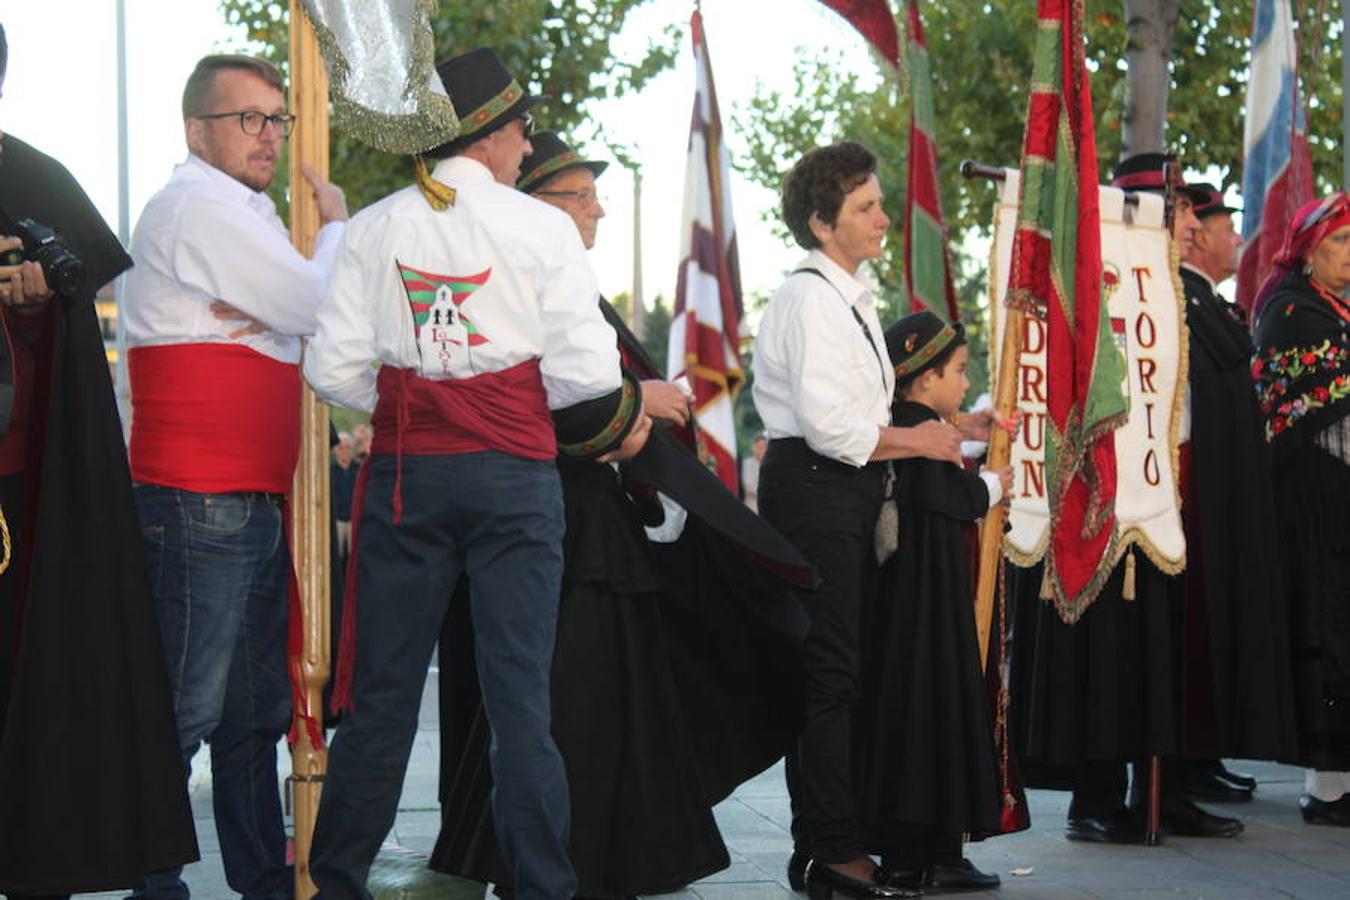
x: 816, y: 374
x: 206, y: 237
x: 538, y: 297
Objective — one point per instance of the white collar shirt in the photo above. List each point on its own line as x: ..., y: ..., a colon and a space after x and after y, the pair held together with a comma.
x: 819, y: 374
x: 497, y: 279
x: 205, y: 237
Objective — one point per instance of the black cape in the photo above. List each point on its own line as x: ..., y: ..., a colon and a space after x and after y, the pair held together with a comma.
x: 91, y: 775
x: 1237, y: 674
x: 1312, y: 490
x: 674, y: 677
x: 1194, y: 665
x: 929, y: 763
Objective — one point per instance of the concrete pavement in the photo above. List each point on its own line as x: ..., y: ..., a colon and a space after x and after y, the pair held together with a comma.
x: 1278, y: 856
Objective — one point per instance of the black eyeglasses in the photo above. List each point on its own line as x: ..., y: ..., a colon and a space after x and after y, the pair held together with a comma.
x: 586, y: 197
x: 253, y: 123
x: 527, y: 124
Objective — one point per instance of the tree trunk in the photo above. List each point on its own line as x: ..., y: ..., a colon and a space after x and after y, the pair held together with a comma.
x: 1150, y: 25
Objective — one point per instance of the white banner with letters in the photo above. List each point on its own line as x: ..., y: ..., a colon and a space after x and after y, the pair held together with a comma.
x: 1146, y: 306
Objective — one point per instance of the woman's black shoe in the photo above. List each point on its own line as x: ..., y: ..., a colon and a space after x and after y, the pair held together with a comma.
x: 1321, y: 812
x: 823, y: 881
x: 797, y: 869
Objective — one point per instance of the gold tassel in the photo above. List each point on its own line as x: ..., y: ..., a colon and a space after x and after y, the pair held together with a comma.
x: 440, y: 196
x: 1127, y: 589
x: 1047, y: 589
x: 4, y: 539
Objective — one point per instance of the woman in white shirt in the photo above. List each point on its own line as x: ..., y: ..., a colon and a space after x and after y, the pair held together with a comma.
x: 823, y: 388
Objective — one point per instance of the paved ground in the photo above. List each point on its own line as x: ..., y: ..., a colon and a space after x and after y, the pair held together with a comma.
x: 1278, y: 856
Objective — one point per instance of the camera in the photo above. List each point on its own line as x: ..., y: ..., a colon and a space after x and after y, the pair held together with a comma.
x: 63, y: 269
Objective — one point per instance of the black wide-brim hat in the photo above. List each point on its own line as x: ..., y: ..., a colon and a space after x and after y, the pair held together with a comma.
x: 484, y: 95
x: 1151, y: 172
x: 551, y: 155
x: 915, y: 341
x: 1212, y: 203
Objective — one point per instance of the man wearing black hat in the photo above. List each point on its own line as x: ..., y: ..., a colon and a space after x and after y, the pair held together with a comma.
x: 481, y: 307
x: 1234, y: 600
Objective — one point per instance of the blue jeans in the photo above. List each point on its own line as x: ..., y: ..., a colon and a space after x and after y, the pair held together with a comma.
x: 500, y: 518
x: 219, y: 569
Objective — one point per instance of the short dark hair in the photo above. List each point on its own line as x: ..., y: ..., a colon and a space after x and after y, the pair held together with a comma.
x: 818, y: 184
x: 200, y: 89
x: 4, y: 52
x: 938, y: 364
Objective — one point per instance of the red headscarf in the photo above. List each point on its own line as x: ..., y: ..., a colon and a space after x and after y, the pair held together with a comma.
x: 1310, y: 225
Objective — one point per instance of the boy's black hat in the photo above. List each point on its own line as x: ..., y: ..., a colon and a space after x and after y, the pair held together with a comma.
x: 917, y: 340
x: 551, y: 155
x: 484, y: 94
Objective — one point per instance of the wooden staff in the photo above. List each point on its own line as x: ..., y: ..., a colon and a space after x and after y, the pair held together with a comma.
x: 309, y: 495
x: 1000, y: 447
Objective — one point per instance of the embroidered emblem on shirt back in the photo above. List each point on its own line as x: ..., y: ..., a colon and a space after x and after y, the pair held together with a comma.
x: 443, y: 331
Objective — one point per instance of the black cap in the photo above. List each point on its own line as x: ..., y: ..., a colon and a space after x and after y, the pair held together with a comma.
x: 1151, y: 172
x: 551, y: 155
x: 1211, y: 202
x: 484, y: 95
x: 917, y: 340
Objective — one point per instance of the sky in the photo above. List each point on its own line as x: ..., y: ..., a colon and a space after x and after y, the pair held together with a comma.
x: 61, y: 96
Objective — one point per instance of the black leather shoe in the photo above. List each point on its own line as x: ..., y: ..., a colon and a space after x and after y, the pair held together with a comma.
x: 943, y: 878
x: 900, y: 877
x: 1118, y: 828
x: 797, y: 869
x: 1214, y: 788
x: 822, y: 882
x: 1243, y: 782
x: 1188, y: 820
x: 1321, y: 812
x: 940, y: 878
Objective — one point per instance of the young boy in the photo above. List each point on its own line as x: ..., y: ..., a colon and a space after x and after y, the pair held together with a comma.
x: 930, y: 773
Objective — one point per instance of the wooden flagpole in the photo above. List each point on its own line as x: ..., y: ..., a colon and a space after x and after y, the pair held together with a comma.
x: 1000, y: 447
x: 1000, y: 452
x: 309, y: 496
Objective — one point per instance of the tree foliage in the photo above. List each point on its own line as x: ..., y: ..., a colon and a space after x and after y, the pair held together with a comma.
x: 559, y: 47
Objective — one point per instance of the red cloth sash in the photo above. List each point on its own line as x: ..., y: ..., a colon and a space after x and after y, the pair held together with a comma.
x: 213, y: 418
x: 506, y: 411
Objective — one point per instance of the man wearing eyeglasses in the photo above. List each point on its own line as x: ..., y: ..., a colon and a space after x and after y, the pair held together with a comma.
x: 214, y: 312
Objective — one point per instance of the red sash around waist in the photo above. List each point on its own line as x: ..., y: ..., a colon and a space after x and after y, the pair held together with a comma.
x: 506, y: 411
x: 213, y: 418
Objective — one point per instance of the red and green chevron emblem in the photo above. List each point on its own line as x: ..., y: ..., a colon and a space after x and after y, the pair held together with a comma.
x: 422, y: 288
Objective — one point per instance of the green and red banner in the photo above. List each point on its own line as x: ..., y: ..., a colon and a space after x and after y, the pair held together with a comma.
x: 1056, y: 273
x: 928, y: 264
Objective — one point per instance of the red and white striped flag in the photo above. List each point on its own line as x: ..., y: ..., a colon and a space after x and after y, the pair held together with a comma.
x: 705, y: 329
x: 928, y: 268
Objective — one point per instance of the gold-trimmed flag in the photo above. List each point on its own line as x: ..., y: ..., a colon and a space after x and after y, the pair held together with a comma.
x: 1057, y: 273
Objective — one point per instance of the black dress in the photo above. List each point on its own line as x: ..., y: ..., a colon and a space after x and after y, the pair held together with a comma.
x: 675, y: 679
x: 926, y: 731
x: 91, y: 775
x: 1302, y: 371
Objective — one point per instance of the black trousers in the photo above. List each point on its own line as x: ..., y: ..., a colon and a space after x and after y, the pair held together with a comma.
x: 828, y: 510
